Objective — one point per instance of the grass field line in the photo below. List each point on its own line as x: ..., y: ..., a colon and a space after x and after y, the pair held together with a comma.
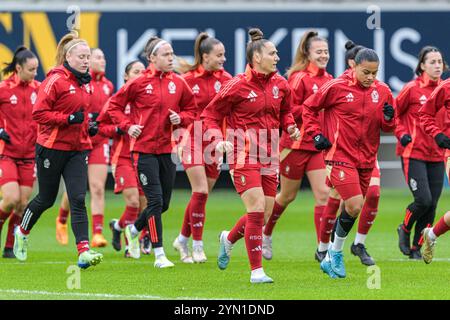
x: 102, y: 295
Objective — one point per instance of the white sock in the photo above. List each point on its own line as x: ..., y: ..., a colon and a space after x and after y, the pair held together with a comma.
x: 432, y: 236
x: 116, y: 226
x: 159, y: 251
x: 258, y: 273
x: 360, y: 238
x: 338, y: 243
x: 182, y: 239
x: 323, y: 246
x: 134, y: 231
x: 197, y: 243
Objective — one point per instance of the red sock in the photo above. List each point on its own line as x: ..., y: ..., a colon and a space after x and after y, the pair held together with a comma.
x: 253, y: 238
x: 369, y: 210
x: 328, y: 219
x: 197, y: 214
x: 238, y: 230
x: 186, y: 227
x: 3, y: 216
x: 24, y: 232
x: 318, y: 213
x: 276, y: 213
x: 14, y: 221
x: 129, y: 216
x: 97, y: 223
x: 82, y: 246
x: 63, y: 215
x: 441, y: 227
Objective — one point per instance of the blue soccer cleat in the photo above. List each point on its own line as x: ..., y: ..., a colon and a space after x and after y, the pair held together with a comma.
x: 224, y: 251
x: 337, y: 263
x: 325, y: 266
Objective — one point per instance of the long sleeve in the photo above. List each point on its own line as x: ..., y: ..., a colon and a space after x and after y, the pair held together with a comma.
x: 402, y: 103
x: 188, y: 106
x: 311, y: 107
x: 286, y: 117
x: 43, y: 110
x: 428, y: 111
x: 117, y: 104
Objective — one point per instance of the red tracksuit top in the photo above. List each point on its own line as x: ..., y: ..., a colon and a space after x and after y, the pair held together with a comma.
x: 102, y: 90
x: 304, y: 84
x: 252, y: 101
x: 16, y: 105
x: 412, y: 97
x: 59, y: 96
x: 151, y: 95
x: 353, y: 118
x: 431, y: 119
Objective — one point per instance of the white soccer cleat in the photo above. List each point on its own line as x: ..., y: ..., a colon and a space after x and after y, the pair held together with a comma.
x: 198, y: 255
x: 133, y: 243
x: 161, y: 262
x: 264, y: 279
x: 428, y: 246
x: 267, y: 247
x: 182, y: 248
x: 20, y: 245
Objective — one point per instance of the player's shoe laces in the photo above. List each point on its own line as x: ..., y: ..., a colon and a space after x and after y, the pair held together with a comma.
x: 325, y: 266
x: 98, y: 241
x: 61, y: 233
x: 146, y: 245
x: 161, y: 262
x: 89, y: 258
x: 267, y: 247
x: 428, y: 246
x: 224, y: 251
x: 20, y: 245
x: 198, y: 255
x: 116, y: 243
x: 182, y: 248
x: 360, y: 251
x: 8, y: 253
x: 133, y: 243
x: 320, y: 255
x: 337, y: 263
x: 263, y: 279
x: 415, y: 254
x: 404, y: 242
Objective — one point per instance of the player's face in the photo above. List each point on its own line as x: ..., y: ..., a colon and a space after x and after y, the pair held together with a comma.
x: 319, y: 54
x: 79, y: 57
x: 214, y: 60
x: 433, y: 65
x: 163, y: 59
x: 268, y: 58
x: 136, y: 69
x: 27, y: 72
x: 98, y: 62
x: 366, y: 72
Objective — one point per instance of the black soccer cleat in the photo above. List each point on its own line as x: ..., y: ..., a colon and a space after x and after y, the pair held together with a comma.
x: 360, y: 251
x: 415, y: 254
x: 404, y: 242
x: 8, y: 253
x: 115, y: 236
x: 320, y: 255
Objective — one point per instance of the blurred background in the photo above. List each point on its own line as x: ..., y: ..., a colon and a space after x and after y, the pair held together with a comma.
x: 396, y: 30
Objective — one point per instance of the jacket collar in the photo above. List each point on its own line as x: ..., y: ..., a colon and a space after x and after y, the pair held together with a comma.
x: 314, y: 70
x: 15, y: 81
x: 425, y: 81
x: 251, y: 74
x: 201, y: 71
x: 97, y: 76
x: 152, y: 72
x: 354, y: 82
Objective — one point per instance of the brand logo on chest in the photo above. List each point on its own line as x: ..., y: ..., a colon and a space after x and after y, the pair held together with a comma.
x: 350, y: 97
x: 149, y: 89
x: 423, y: 99
x: 252, y: 96
x: 13, y: 99
x: 196, y: 89
x: 106, y: 89
x: 72, y: 89
x: 315, y: 88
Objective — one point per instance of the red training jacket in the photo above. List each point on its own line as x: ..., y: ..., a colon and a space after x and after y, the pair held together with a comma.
x: 304, y: 84
x: 252, y: 101
x: 412, y: 97
x: 353, y: 118
x: 59, y: 96
x: 16, y: 105
x: 151, y: 95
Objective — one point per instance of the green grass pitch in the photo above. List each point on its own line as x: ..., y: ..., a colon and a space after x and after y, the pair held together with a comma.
x: 47, y: 272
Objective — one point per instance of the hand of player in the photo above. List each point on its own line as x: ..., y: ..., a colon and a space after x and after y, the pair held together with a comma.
x: 224, y: 147
x: 294, y: 133
x: 92, y: 128
x: 442, y: 140
x: 76, y: 117
x: 388, y: 112
x: 135, y: 130
x: 321, y: 142
x: 4, y: 136
x: 174, y: 117
x: 405, y: 139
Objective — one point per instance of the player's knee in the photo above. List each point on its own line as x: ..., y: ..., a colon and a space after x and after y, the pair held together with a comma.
x: 155, y: 203
x: 97, y: 189
x: 354, y: 208
x: 322, y: 197
x: 424, y: 203
x: 11, y: 201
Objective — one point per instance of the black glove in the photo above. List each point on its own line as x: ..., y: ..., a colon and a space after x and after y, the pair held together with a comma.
x: 4, y: 136
x: 93, y: 128
x: 76, y: 117
x: 93, y: 116
x: 118, y: 131
x: 388, y: 112
x: 405, y: 140
x: 442, y: 140
x: 321, y: 143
